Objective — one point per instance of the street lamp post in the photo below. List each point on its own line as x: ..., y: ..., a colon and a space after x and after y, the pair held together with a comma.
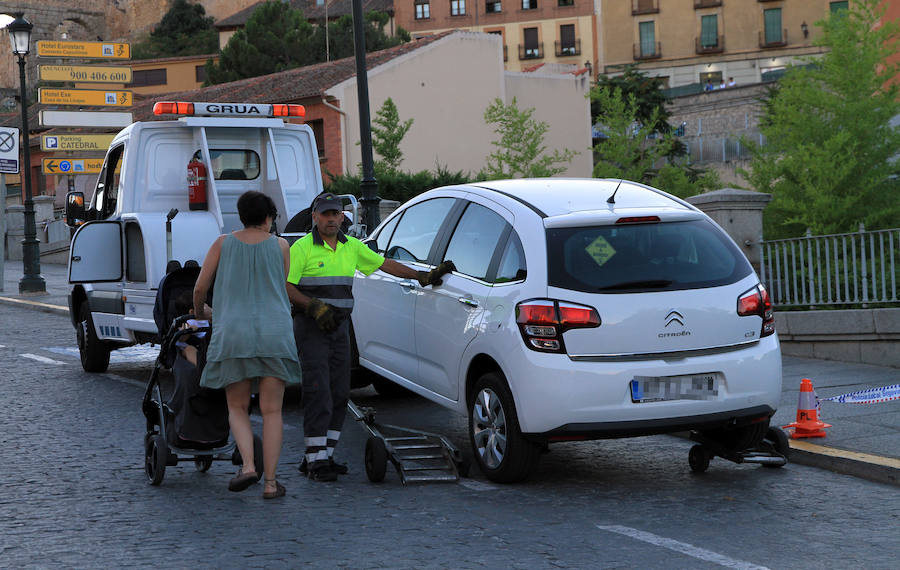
x: 368, y: 185
x: 32, y: 281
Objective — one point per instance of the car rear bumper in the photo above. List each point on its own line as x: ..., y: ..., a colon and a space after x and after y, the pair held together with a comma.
x: 554, y: 393
x: 607, y: 430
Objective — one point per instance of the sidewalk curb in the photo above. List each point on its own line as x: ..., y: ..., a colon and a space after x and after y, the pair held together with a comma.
x: 46, y: 307
x: 863, y: 465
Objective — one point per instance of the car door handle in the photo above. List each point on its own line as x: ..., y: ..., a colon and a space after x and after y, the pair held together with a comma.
x: 467, y: 301
x: 408, y: 284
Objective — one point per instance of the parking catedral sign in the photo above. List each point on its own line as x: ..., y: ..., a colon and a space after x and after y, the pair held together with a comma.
x: 98, y: 50
x: 94, y: 97
x: 71, y: 165
x: 76, y: 142
x: 9, y: 150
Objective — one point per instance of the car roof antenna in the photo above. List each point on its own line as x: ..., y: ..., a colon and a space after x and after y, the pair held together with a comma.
x: 612, y: 198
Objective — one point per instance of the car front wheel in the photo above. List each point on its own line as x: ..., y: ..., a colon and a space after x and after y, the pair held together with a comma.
x: 500, y: 450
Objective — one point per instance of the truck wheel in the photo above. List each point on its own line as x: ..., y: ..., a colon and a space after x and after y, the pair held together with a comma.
x: 500, y: 450
x: 94, y: 354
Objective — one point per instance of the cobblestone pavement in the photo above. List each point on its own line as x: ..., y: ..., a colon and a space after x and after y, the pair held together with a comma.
x: 74, y: 493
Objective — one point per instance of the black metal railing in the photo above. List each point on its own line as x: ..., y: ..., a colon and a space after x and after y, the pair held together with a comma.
x: 569, y: 49
x: 535, y: 51
x: 644, y: 7
x: 765, y: 41
x: 706, y: 47
x: 642, y: 51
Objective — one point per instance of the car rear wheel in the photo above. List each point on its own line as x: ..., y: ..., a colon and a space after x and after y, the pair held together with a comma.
x: 500, y: 450
x: 94, y: 354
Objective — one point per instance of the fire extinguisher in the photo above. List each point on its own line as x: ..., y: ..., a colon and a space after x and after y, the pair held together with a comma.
x: 196, y: 177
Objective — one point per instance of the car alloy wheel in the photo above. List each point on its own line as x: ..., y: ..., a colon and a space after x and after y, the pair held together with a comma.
x: 489, y: 428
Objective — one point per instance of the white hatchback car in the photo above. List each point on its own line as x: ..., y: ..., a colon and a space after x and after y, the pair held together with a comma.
x: 580, y: 309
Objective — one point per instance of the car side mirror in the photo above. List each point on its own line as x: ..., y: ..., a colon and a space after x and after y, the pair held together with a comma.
x: 74, y: 209
x: 372, y: 245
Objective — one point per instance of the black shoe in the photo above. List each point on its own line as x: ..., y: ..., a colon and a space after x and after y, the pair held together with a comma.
x: 321, y: 470
x: 339, y: 468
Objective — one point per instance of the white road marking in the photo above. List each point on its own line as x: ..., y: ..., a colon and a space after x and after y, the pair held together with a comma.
x: 2, y: 346
x: 682, y: 547
x: 43, y: 359
x: 124, y: 380
x: 138, y: 353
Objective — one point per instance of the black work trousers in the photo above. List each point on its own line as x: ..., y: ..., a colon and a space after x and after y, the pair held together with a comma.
x: 325, y: 361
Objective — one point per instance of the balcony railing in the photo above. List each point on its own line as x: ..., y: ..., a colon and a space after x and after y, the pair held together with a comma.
x: 505, y: 53
x: 706, y: 4
x: 717, y: 47
x: 644, y: 7
x: 644, y: 53
x: 765, y: 42
x: 531, y: 52
x: 572, y: 49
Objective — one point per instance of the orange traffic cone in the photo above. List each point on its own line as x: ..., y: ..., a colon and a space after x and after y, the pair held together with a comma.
x: 808, y: 423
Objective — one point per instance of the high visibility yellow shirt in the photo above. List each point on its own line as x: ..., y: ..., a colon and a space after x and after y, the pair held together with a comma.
x: 327, y: 274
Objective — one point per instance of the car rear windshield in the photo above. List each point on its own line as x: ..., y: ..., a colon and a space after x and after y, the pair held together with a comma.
x: 643, y: 257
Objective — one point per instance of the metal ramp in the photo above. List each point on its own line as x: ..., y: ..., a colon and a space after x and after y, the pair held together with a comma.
x: 418, y: 456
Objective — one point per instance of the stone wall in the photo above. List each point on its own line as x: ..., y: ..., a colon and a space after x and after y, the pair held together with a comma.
x: 869, y: 336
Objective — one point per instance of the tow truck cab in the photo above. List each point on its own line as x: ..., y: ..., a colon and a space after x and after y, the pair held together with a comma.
x: 120, y: 251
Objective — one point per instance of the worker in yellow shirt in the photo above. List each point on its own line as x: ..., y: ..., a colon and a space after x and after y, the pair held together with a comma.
x: 322, y: 267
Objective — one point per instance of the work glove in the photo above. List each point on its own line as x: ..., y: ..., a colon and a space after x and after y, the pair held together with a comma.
x: 323, y: 314
x: 433, y: 277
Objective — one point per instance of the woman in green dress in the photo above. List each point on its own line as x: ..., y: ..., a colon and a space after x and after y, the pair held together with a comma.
x: 252, y: 343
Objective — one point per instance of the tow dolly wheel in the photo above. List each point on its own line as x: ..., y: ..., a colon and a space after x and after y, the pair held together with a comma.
x: 779, y: 441
x: 698, y: 459
x: 376, y: 459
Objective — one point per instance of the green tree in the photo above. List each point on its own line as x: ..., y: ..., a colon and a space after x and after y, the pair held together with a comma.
x: 520, y: 150
x: 650, y: 101
x: 635, y: 151
x: 387, y: 134
x: 184, y: 30
x: 275, y: 38
x: 830, y: 160
x: 340, y: 35
x: 279, y: 37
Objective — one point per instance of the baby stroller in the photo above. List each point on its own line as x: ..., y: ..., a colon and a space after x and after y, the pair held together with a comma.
x: 192, y: 424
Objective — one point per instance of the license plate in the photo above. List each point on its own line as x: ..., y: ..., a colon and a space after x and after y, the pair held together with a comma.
x: 663, y: 388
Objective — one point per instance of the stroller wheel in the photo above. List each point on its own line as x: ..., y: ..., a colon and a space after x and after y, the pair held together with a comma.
x: 203, y: 463
x: 155, y: 457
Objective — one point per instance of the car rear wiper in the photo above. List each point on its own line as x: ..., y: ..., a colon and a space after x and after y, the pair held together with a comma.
x: 646, y: 284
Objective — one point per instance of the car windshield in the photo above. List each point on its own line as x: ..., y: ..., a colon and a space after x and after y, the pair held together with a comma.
x: 643, y: 257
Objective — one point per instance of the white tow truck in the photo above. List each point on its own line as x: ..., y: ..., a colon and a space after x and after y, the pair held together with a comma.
x: 121, y: 249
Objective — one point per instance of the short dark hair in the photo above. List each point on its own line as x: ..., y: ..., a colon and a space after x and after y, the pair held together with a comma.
x: 253, y: 207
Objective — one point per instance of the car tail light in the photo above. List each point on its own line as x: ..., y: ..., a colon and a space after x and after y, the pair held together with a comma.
x: 543, y: 321
x: 755, y: 302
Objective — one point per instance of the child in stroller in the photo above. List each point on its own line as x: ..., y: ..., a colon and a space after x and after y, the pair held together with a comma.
x: 193, y: 421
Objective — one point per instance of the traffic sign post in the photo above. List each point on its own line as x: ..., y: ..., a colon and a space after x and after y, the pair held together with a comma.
x: 98, y: 50
x: 77, y: 142
x: 85, y: 73
x: 9, y: 152
x: 71, y: 165
x: 95, y: 97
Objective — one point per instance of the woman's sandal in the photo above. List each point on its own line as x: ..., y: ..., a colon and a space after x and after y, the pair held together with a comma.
x: 278, y: 492
x: 242, y: 480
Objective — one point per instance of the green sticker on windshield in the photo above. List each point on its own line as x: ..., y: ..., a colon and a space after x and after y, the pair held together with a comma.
x: 600, y: 250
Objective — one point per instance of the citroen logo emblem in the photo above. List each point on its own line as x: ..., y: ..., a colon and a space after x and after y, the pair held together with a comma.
x: 674, y: 317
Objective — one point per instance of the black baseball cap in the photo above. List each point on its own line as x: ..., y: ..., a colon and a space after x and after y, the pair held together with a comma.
x: 327, y: 201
